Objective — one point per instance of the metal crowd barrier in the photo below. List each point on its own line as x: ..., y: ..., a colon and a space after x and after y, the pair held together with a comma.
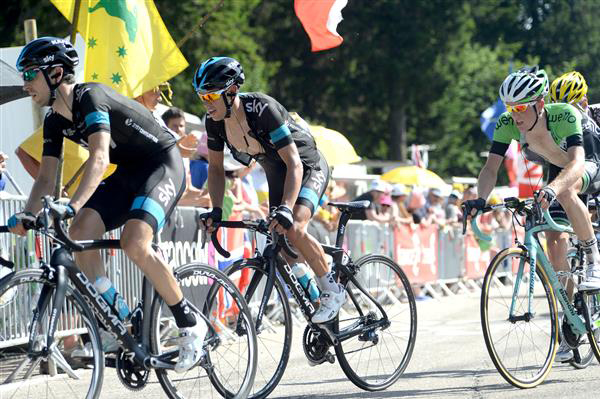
x: 179, y: 241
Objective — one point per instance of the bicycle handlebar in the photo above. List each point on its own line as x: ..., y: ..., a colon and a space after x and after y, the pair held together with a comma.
x: 260, y: 226
x: 528, y: 206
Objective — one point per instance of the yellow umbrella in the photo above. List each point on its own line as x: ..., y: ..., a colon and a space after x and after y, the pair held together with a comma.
x: 414, y: 175
x: 334, y: 145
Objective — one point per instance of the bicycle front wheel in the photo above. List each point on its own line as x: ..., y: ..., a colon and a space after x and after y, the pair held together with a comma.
x: 522, y: 345
x: 230, y: 356
x: 27, y: 372
x: 375, y: 359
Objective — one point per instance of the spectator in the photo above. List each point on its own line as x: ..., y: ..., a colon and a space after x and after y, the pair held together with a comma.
x: 433, y: 207
x: 374, y: 212
x: 199, y: 163
x: 387, y: 207
x: 452, y: 211
x: 416, y: 206
x: 400, y: 213
x: 174, y: 118
x: 3, y: 159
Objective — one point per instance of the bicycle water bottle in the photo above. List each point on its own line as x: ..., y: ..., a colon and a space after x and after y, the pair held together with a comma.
x: 110, y: 295
x: 304, y: 276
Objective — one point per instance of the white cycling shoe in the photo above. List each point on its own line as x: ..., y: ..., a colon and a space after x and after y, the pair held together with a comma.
x: 331, y: 303
x: 564, y: 352
x: 190, y: 342
x: 592, y: 279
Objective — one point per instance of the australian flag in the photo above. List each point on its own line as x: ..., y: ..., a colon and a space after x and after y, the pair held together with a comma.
x: 489, y: 117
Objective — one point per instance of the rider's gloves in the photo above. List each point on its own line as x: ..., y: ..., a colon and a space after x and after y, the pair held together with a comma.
x: 26, y: 218
x: 63, y: 211
x: 478, y: 204
x: 284, y: 217
x: 215, y: 215
x: 547, y: 193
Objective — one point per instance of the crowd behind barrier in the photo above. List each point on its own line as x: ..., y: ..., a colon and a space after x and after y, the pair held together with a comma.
x: 430, y: 256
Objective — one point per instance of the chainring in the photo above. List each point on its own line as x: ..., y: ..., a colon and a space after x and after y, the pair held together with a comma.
x: 133, y: 376
x: 315, y: 345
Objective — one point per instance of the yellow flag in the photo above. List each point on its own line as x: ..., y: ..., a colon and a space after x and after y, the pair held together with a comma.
x: 128, y: 46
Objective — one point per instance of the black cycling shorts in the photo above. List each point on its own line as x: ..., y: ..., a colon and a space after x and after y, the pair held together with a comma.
x: 556, y: 210
x: 314, y: 183
x: 148, y: 191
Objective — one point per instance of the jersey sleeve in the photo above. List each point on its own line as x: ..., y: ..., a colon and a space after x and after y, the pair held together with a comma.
x: 52, y: 136
x: 214, y: 134
x: 506, y: 130
x: 94, y: 110
x: 274, y: 122
x: 568, y: 125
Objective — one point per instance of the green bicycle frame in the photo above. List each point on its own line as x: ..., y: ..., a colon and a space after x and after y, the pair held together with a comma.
x: 535, y: 252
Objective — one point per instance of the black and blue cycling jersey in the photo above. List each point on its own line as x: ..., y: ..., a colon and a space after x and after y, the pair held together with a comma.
x: 150, y: 177
x: 272, y: 128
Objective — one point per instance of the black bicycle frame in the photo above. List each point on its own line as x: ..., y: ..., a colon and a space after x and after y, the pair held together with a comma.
x: 341, y: 263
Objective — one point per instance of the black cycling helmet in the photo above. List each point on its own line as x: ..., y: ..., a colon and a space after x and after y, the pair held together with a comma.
x: 218, y: 73
x: 48, y: 52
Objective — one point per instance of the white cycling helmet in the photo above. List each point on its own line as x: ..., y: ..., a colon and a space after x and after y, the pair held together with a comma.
x: 524, y: 86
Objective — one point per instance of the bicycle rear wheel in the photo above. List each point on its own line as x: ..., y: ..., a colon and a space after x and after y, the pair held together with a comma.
x: 593, y: 336
x: 229, y: 364
x: 275, y: 333
x: 23, y: 372
x: 376, y: 358
x: 523, y: 348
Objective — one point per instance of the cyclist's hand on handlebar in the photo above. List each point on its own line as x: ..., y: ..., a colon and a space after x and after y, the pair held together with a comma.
x: 208, y: 218
x: 545, y: 197
x: 281, y: 219
x: 471, y: 207
x: 63, y: 211
x: 20, y: 222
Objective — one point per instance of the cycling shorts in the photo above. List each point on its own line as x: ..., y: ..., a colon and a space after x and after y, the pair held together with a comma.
x: 314, y: 183
x: 591, y: 185
x: 148, y: 191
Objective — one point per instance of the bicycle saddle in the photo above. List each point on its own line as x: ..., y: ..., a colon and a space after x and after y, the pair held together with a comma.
x: 351, y: 206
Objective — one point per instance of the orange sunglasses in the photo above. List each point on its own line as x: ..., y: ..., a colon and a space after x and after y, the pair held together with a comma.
x: 519, y: 107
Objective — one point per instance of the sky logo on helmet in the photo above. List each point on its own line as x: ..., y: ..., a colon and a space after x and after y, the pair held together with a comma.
x: 229, y: 82
x: 48, y: 58
x: 59, y: 41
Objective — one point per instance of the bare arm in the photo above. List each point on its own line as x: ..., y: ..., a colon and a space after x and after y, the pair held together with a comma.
x: 96, y: 165
x: 216, y: 178
x: 572, y: 172
x: 293, y: 175
x: 488, y: 175
x: 43, y: 185
x: 373, y: 215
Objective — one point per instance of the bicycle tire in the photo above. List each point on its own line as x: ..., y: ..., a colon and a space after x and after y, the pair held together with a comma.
x: 271, y: 344
x: 394, y: 289
x: 494, y: 312
x: 201, y: 284
x: 19, y: 295
x: 594, y: 314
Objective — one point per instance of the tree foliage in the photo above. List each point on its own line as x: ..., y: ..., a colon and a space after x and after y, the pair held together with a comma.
x: 407, y: 72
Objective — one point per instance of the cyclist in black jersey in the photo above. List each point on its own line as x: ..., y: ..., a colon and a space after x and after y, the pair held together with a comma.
x: 256, y: 126
x: 570, y: 88
x: 141, y: 193
x: 552, y: 132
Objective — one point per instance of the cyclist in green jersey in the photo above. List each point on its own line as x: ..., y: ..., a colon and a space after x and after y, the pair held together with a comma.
x: 552, y: 133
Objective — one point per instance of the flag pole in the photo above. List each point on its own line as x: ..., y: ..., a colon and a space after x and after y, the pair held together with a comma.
x: 59, y: 172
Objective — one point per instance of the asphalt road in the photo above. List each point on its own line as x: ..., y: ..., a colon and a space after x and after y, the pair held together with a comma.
x: 450, y: 361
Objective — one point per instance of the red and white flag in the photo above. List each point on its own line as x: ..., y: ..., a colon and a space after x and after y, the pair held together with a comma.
x: 320, y: 19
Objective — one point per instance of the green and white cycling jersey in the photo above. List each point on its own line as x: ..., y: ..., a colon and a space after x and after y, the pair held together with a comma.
x: 566, y: 126
x: 563, y: 123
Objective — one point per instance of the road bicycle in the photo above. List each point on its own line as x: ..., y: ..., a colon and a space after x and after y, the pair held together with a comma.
x: 374, y: 334
x: 47, y: 308
x: 519, y: 314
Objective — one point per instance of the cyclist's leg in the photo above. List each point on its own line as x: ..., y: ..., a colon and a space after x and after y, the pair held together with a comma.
x: 163, y: 185
x: 88, y: 225
x: 582, y: 224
